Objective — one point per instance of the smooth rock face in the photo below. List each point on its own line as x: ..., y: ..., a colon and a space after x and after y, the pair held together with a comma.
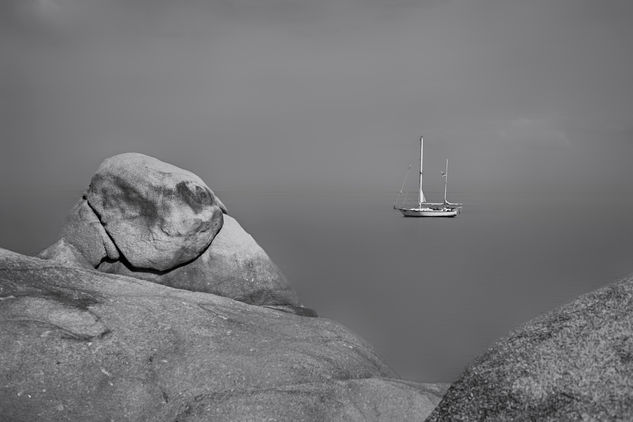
x: 575, y: 363
x: 81, y: 345
x: 234, y: 266
x: 83, y: 239
x: 158, y: 215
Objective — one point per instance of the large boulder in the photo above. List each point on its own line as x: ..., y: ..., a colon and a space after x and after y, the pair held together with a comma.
x: 148, y: 219
x: 158, y: 215
x: 233, y: 266
x: 81, y: 345
x: 575, y: 363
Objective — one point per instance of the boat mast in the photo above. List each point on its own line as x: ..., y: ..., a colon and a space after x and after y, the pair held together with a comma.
x: 445, y: 180
x: 421, y: 197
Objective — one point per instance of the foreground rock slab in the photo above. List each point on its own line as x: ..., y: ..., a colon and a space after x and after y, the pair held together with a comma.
x: 575, y: 363
x: 77, y: 345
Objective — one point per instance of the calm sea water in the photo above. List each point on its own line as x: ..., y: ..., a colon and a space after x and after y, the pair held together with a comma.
x: 429, y: 294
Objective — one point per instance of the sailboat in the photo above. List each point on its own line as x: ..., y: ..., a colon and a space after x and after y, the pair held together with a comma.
x: 429, y: 209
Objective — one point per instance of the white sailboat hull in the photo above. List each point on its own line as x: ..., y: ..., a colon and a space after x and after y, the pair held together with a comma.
x: 429, y: 212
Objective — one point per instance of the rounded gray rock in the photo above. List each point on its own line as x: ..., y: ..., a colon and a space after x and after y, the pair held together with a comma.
x: 575, y: 363
x: 159, y: 216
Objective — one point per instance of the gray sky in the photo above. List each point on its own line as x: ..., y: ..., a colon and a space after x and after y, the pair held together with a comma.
x: 278, y: 94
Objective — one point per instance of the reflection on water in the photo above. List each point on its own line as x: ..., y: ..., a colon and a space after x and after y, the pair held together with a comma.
x: 431, y: 294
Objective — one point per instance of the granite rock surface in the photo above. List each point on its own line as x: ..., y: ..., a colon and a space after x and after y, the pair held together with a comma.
x: 158, y: 215
x: 574, y: 363
x: 77, y: 344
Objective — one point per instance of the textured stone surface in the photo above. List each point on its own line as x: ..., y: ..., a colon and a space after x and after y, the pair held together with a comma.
x: 158, y: 215
x: 233, y: 266
x: 575, y: 363
x: 369, y: 399
x: 79, y: 345
x: 83, y: 238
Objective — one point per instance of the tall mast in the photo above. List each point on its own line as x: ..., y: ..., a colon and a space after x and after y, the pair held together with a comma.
x: 421, y: 197
x: 445, y: 181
